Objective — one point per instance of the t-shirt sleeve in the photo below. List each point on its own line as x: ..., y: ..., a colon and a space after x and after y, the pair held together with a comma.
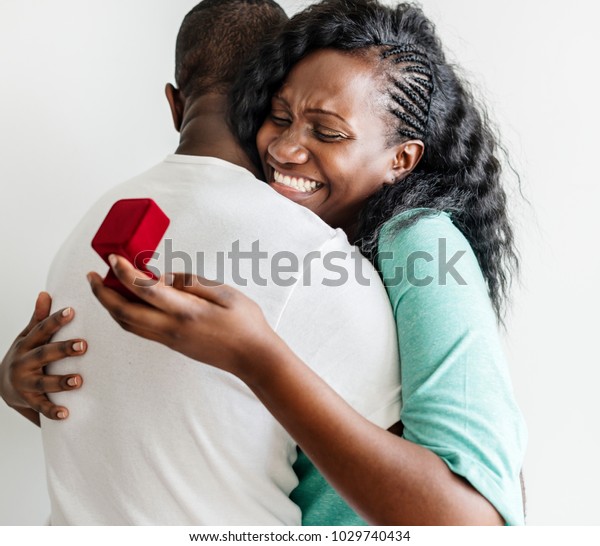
x: 457, y: 398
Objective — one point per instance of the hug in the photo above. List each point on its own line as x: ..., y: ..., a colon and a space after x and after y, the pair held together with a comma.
x: 204, y: 402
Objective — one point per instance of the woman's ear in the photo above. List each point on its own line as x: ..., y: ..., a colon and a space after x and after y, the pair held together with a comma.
x: 408, y: 155
x: 176, y: 103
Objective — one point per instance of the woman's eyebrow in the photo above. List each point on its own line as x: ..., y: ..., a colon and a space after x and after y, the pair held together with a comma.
x: 326, y: 112
x: 281, y: 99
x: 311, y: 110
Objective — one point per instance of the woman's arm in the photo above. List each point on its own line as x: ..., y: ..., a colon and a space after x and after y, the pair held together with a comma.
x: 23, y: 384
x: 388, y: 480
x: 456, y: 389
x: 385, y: 478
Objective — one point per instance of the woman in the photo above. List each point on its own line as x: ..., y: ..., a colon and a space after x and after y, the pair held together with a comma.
x: 374, y: 141
x: 443, y: 159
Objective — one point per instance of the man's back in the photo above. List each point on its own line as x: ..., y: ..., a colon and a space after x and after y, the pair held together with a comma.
x: 156, y: 438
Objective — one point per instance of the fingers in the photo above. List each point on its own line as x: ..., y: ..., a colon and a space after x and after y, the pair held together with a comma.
x: 212, y: 291
x: 32, y: 385
x: 43, y: 331
x: 43, y: 384
x: 132, y: 317
x: 31, y: 352
x: 43, y: 405
x: 160, y: 294
x: 51, y: 352
x: 42, y: 306
x: 40, y: 311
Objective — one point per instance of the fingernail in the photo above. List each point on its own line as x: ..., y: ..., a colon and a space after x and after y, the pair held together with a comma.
x: 66, y: 312
x: 78, y: 346
x: 89, y: 277
x: 112, y: 260
x: 61, y: 414
x: 72, y: 382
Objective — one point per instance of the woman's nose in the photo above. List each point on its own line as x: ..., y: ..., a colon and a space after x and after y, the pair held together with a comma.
x: 287, y: 148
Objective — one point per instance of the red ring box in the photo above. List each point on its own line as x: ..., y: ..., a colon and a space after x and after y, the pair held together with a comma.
x: 133, y: 228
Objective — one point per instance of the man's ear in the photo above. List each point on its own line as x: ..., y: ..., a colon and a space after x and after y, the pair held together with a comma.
x: 408, y: 155
x: 176, y: 103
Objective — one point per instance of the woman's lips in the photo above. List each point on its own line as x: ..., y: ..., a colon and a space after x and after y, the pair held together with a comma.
x: 297, y: 184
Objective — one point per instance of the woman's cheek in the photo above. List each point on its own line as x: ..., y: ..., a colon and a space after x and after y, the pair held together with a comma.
x: 260, y: 140
x: 266, y: 134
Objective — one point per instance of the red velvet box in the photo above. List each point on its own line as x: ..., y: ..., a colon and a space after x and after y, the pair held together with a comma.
x: 133, y: 228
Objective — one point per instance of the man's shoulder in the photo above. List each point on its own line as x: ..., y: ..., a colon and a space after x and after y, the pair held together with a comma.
x: 201, y: 162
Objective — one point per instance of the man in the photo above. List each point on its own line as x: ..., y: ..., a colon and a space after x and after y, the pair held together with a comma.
x: 154, y: 437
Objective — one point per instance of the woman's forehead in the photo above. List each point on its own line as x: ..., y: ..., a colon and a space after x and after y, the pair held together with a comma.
x: 330, y: 77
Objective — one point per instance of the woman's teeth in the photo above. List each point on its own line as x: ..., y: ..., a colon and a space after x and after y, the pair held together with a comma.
x: 298, y: 183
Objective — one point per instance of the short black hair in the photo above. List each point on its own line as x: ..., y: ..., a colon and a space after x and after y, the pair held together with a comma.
x: 216, y: 38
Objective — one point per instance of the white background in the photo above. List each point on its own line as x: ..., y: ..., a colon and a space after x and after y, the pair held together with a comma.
x: 83, y: 109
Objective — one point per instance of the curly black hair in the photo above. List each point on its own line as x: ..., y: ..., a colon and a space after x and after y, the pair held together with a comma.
x: 460, y: 171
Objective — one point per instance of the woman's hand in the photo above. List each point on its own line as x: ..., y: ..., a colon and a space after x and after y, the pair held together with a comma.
x: 23, y: 384
x: 204, y: 320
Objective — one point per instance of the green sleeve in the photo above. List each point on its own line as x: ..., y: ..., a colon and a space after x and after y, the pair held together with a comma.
x: 457, y: 398
x: 320, y: 503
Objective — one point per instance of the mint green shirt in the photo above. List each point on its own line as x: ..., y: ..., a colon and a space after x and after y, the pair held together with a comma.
x: 457, y: 398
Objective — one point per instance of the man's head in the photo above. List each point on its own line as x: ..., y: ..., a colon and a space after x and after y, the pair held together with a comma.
x: 215, y: 40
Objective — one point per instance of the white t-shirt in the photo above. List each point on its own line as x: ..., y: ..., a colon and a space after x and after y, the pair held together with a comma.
x: 154, y: 437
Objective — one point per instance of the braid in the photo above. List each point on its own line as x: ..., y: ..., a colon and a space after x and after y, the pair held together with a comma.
x: 459, y: 172
x: 409, y: 64
x: 417, y: 95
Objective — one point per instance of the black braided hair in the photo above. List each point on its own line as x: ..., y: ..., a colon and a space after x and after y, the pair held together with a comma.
x: 459, y: 172
x: 412, y: 93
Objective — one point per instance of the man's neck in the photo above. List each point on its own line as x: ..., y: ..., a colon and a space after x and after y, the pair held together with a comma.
x: 204, y: 131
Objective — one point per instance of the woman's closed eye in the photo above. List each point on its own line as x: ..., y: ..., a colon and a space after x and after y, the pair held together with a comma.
x: 328, y: 135
x: 280, y: 118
